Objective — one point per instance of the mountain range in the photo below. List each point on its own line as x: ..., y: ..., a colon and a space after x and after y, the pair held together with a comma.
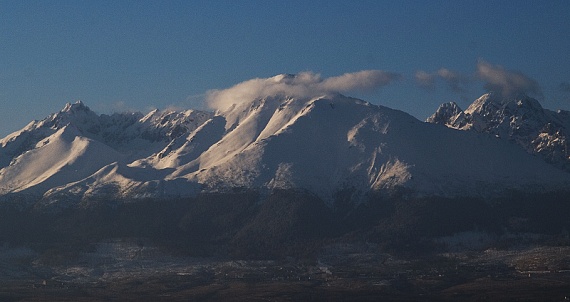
x: 325, y: 145
x: 520, y: 120
x: 356, y: 195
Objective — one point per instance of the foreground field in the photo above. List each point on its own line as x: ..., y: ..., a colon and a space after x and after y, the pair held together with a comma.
x: 129, y: 270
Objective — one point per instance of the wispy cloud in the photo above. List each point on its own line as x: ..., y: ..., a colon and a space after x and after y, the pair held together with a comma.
x: 507, y: 82
x: 304, y: 84
x: 113, y: 107
x: 366, y: 80
x: 121, y: 106
x: 425, y: 80
x: 564, y: 86
x: 454, y: 80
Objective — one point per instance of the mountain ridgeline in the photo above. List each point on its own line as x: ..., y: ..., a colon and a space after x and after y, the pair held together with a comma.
x: 280, y: 175
x: 324, y: 145
x: 520, y: 120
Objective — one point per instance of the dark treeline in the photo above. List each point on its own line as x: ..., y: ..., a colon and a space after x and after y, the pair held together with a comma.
x: 247, y: 225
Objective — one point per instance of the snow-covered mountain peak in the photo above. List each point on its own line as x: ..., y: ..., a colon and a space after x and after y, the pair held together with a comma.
x: 486, y: 103
x: 444, y: 113
x: 322, y: 144
x: 490, y: 103
x: 75, y: 107
x: 76, y: 114
x: 152, y: 114
x: 521, y: 120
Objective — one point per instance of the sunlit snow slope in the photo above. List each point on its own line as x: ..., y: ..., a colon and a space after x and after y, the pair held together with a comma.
x: 320, y: 144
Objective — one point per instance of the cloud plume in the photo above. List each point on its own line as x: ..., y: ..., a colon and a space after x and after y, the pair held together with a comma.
x: 507, y: 82
x: 304, y: 84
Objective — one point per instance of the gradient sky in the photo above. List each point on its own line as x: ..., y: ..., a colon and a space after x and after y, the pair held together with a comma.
x: 138, y: 55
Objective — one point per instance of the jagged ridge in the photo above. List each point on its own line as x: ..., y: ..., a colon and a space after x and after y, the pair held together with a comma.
x: 323, y: 145
x: 521, y: 120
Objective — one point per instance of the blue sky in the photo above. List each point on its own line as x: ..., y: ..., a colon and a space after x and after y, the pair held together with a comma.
x: 139, y: 55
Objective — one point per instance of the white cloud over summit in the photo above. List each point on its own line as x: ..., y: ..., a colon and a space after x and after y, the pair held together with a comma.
x: 304, y: 84
x: 309, y: 84
x: 508, y: 83
x: 495, y: 78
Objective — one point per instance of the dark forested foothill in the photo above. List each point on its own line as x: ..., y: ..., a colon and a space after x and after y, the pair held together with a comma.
x: 250, y: 225
x: 288, y: 244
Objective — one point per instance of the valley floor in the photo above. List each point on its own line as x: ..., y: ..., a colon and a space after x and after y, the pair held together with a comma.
x: 125, y: 270
x: 173, y: 288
